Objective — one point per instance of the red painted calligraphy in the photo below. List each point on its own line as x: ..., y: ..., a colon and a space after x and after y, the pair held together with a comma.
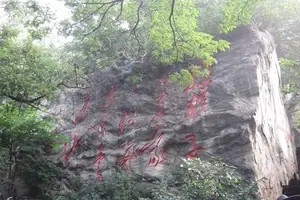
x: 83, y: 112
x: 157, y: 159
x: 122, y: 123
x: 190, y: 86
x: 160, y: 101
x: 192, y: 105
x: 75, y: 143
x: 160, y: 108
x: 97, y: 161
x: 153, y: 146
x: 203, y: 89
x: 128, y: 156
x: 195, y: 149
x: 130, y: 121
x: 159, y: 114
x: 100, y: 125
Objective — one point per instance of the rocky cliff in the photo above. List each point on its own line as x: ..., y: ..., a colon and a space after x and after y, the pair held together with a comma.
x: 237, y: 113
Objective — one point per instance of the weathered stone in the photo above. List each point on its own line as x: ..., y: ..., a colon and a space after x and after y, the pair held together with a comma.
x: 245, y: 122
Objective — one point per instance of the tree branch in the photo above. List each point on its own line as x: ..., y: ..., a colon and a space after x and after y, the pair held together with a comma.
x: 86, y: 17
x: 112, y: 3
x: 102, y: 3
x: 170, y: 21
x: 21, y: 100
x: 137, y: 23
x: 121, y: 10
x: 67, y: 86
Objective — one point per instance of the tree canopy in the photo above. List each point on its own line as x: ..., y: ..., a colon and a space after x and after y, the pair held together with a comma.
x: 108, y: 33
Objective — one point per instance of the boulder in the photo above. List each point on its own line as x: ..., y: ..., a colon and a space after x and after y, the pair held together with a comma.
x: 237, y: 113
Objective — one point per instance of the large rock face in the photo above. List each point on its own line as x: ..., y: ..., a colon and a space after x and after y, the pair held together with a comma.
x: 292, y: 108
x: 238, y: 114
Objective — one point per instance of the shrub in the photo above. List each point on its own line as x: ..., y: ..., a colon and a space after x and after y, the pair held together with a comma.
x: 25, y: 139
x: 195, y: 179
x: 214, y: 179
x: 119, y: 186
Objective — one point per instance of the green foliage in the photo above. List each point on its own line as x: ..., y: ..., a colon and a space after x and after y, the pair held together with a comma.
x: 134, y: 79
x: 195, y: 179
x: 29, y: 15
x: 237, y: 12
x: 291, y: 72
x: 21, y: 125
x: 167, y: 32
x: 298, y: 119
x: 95, y: 47
x: 27, y: 70
x: 281, y: 19
x: 184, y: 77
x: 214, y: 179
x: 287, y: 63
x: 176, y: 36
x: 119, y: 186
x: 25, y: 140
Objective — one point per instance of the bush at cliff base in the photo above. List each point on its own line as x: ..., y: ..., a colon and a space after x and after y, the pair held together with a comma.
x: 194, y: 179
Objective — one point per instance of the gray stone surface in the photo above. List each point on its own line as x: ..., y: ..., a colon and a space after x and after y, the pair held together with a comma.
x: 245, y: 122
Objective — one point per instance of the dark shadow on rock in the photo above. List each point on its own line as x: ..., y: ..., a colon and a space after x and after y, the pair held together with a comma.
x: 293, y: 187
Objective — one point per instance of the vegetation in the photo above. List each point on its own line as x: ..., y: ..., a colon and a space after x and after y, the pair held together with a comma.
x: 25, y: 140
x: 28, y: 72
x: 106, y: 34
x: 195, y: 179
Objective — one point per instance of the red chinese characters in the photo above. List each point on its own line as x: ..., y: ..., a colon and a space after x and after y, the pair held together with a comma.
x: 129, y: 154
x: 192, y: 106
x: 160, y: 108
x: 196, y: 99
x: 195, y: 149
x: 160, y: 101
x: 126, y: 119
x: 153, y: 147
x: 99, y: 158
x: 156, y: 159
x: 83, y: 112
x: 203, y: 89
x: 100, y: 125
x: 75, y: 143
x: 190, y: 87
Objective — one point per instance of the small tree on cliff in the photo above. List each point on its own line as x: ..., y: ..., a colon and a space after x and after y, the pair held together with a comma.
x: 25, y: 139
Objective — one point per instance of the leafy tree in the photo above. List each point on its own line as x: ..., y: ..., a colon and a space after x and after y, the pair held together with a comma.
x: 174, y: 34
x: 195, y: 179
x: 214, y: 179
x: 28, y: 71
x: 281, y: 19
x: 108, y: 32
x: 30, y: 16
x: 119, y: 186
x: 25, y: 140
